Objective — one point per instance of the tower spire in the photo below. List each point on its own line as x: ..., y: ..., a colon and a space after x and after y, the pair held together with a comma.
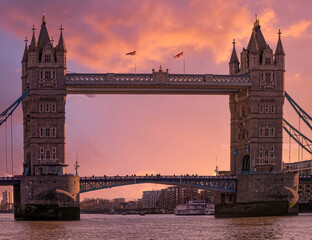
x: 61, y: 44
x: 33, y: 44
x: 25, y: 51
x: 43, y: 35
x: 279, y: 47
x: 234, y: 58
x: 43, y: 17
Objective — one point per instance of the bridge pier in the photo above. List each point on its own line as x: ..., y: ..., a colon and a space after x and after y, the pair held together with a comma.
x: 47, y: 198
x: 265, y: 194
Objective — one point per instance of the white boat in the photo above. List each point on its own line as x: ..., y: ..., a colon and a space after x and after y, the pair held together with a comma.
x: 197, y: 207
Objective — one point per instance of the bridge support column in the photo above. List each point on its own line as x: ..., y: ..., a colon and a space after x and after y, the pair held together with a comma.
x: 266, y: 194
x: 47, y: 198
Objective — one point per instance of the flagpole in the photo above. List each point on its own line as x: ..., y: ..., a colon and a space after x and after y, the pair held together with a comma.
x: 183, y: 63
x: 135, y: 64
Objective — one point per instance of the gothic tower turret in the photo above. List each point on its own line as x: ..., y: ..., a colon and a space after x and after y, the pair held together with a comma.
x: 279, y: 53
x: 234, y: 63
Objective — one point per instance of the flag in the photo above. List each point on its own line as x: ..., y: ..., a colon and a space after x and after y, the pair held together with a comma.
x: 178, y: 55
x: 131, y: 53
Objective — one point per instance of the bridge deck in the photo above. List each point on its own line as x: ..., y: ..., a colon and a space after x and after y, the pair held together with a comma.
x: 156, y: 83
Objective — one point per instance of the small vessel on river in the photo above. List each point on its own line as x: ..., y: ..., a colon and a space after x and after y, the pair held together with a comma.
x: 197, y: 207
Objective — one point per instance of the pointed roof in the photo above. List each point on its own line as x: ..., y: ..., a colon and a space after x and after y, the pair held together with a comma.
x: 61, y: 44
x: 279, y: 47
x: 234, y: 58
x: 257, y: 41
x: 43, y: 36
x: 25, y: 51
x: 33, y: 44
x: 253, y: 45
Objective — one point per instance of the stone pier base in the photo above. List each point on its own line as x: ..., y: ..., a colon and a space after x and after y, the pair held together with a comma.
x: 47, y: 198
x: 266, y: 194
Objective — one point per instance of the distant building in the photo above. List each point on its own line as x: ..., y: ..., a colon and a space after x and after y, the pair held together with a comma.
x: 150, y: 198
x: 7, y: 200
x: 168, y: 198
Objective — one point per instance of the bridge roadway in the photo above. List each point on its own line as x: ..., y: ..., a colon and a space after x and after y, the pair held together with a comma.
x: 217, y: 183
x: 155, y: 83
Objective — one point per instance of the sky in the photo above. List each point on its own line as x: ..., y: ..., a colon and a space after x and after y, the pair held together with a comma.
x: 138, y: 134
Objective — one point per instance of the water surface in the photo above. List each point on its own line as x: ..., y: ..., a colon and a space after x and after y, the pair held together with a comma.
x: 97, y: 226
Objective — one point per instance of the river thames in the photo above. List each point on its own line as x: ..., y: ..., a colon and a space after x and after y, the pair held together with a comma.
x: 96, y: 226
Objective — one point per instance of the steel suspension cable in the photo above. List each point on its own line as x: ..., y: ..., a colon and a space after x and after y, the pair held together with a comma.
x: 6, y: 148
x: 12, y: 142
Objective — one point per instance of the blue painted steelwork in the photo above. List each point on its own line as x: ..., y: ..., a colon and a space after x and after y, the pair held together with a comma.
x: 302, y: 114
x: 9, y: 111
x: 295, y: 134
x: 224, y: 184
x: 9, y: 181
x: 306, y: 143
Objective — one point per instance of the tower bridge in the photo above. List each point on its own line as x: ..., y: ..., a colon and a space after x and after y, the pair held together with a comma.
x: 256, y: 90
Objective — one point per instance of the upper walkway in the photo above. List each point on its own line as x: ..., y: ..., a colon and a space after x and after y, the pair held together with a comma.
x: 155, y: 83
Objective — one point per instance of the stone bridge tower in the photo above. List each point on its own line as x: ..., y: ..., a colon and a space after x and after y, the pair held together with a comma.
x: 45, y: 188
x: 44, y: 69
x: 257, y: 113
x: 256, y: 135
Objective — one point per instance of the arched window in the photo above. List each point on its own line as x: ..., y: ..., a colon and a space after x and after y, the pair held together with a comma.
x: 246, y: 163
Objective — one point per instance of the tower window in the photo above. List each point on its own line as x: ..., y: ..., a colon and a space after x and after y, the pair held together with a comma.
x: 54, y: 153
x: 47, y: 58
x: 41, y: 153
x: 261, y: 132
x: 272, y: 108
x: 47, y: 75
x: 272, y: 132
x: 41, y: 132
x: 267, y: 109
x: 53, y: 107
x: 260, y: 108
x: 53, y: 132
x: 267, y: 61
x: 266, y: 153
x: 48, y: 154
x: 266, y: 132
x: 268, y: 77
x: 41, y: 107
x: 47, y: 107
x: 47, y: 132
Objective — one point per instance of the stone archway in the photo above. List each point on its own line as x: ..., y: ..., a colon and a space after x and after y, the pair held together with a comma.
x: 246, y: 163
